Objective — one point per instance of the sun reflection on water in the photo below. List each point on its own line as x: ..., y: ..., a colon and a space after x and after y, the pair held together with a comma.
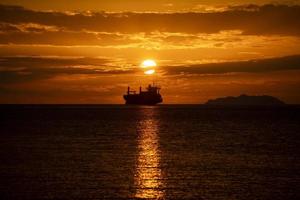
x: 148, y: 174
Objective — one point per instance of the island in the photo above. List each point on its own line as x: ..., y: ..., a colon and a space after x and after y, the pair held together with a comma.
x: 246, y: 100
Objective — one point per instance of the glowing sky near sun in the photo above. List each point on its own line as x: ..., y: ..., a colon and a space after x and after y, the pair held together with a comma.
x: 90, y: 51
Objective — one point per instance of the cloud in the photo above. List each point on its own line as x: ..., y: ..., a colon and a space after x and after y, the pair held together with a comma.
x: 24, y: 69
x: 253, y: 20
x: 252, y: 66
x: 51, y: 35
x: 236, y: 26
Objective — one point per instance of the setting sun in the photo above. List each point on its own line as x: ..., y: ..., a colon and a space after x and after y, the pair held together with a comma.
x: 149, y: 72
x: 148, y: 63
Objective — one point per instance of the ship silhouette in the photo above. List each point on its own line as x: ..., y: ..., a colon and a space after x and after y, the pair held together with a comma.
x: 149, y: 97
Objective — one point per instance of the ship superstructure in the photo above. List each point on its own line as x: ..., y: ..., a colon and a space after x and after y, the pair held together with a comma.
x: 149, y: 97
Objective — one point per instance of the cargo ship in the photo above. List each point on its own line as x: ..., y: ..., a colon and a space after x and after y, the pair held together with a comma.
x: 149, y: 97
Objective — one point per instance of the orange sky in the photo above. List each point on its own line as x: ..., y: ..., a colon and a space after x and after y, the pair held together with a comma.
x: 136, y: 5
x: 79, y: 52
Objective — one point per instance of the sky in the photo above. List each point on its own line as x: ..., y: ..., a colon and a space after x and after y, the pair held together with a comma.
x: 90, y: 51
x: 136, y: 5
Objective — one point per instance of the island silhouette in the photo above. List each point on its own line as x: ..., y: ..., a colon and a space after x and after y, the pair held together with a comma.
x: 246, y: 100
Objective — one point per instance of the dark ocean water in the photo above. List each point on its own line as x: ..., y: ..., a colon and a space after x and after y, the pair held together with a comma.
x: 163, y: 152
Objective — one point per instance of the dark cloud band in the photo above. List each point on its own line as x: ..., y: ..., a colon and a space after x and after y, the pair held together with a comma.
x: 252, y: 66
x: 23, y: 69
x: 267, y: 19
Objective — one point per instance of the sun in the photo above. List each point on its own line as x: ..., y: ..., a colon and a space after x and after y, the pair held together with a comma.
x: 150, y: 72
x: 148, y: 63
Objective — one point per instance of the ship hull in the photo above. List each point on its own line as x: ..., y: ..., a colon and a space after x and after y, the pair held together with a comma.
x: 142, y: 100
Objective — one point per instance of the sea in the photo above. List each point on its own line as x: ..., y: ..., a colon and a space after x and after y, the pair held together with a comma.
x: 149, y: 152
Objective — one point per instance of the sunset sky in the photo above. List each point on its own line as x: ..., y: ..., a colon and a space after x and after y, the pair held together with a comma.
x: 71, y: 51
